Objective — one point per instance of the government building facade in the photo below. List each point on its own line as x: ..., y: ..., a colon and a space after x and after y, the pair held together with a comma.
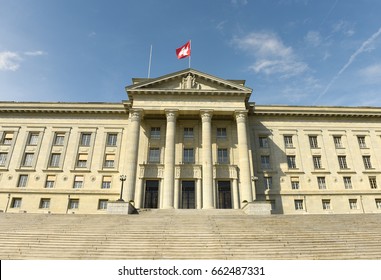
x: 188, y: 140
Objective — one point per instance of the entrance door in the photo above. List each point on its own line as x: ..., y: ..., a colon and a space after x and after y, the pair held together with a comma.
x: 151, y: 194
x: 224, y: 195
x: 188, y: 195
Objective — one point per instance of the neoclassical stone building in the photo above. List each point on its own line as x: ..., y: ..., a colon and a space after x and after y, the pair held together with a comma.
x: 189, y: 140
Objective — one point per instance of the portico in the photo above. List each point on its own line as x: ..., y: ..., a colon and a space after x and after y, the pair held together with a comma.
x: 201, y: 154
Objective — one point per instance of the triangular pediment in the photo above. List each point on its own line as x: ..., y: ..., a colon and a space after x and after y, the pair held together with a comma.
x: 188, y: 80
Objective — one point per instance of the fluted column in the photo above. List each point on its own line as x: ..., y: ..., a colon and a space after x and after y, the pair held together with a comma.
x: 246, y: 192
x: 169, y: 160
x: 207, y: 164
x: 236, y: 203
x: 132, y: 153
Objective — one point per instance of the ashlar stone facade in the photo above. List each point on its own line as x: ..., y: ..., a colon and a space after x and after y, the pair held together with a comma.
x: 188, y: 140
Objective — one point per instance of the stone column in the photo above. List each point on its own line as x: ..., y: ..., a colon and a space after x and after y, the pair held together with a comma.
x: 246, y: 192
x: 177, y: 193
x: 169, y: 160
x: 235, y: 194
x: 132, y: 153
x: 198, y: 194
x: 207, y: 164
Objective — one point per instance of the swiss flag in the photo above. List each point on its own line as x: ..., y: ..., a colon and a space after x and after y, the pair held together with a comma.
x: 184, y: 51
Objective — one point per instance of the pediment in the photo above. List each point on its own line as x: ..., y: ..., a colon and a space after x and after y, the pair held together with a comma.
x: 188, y: 80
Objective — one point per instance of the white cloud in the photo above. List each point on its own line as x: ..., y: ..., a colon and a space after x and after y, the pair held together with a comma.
x: 371, y: 74
x: 9, y: 61
x: 271, y: 55
x: 35, y: 53
x: 239, y: 2
x: 343, y: 27
x: 365, y: 46
x: 313, y: 38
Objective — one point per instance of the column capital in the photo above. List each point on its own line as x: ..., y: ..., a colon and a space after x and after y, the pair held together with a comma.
x: 136, y: 115
x: 241, y: 116
x: 206, y: 115
x: 171, y: 114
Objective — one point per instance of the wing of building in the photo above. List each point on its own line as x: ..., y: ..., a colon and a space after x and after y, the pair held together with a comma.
x: 189, y: 140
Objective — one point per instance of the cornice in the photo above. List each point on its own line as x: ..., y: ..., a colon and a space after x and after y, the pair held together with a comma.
x: 65, y: 107
x: 315, y: 111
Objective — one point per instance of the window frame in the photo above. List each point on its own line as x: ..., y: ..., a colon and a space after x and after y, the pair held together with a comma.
x: 313, y: 139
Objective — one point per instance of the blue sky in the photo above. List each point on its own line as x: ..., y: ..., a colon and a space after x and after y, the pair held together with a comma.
x: 294, y: 52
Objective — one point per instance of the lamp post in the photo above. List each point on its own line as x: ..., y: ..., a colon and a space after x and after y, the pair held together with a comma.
x: 6, y: 208
x: 121, y: 178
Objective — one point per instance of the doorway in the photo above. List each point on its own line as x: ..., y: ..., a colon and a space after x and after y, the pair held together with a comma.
x: 188, y: 195
x: 224, y: 195
x: 151, y: 194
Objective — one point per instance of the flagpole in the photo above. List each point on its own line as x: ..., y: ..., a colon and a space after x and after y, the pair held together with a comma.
x: 149, y: 64
x: 190, y: 48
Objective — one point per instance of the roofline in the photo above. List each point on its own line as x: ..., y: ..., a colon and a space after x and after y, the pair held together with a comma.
x: 65, y: 107
x: 314, y: 111
x: 144, y: 82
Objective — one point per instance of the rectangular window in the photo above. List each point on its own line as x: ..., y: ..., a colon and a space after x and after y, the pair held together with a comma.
x: 295, y: 185
x: 288, y: 141
x: 367, y: 162
x: 188, y: 132
x: 222, y: 156
x: 23, y: 179
x: 265, y: 162
x: 155, y: 133
x: 85, y: 139
x: 106, y: 182
x: 298, y: 204
x: 78, y: 182
x: 337, y: 141
x: 55, y: 160
x: 263, y: 142
x: 102, y: 204
x: 347, y: 182
x: 221, y: 132
x: 59, y: 139
x: 353, y: 204
x: 73, y: 203
x: 291, y: 162
x: 44, y: 203
x: 109, y: 161
x: 342, y: 162
x: 111, y: 139
x: 268, y: 183
x: 378, y: 203
x: 7, y: 138
x: 373, y: 182
x: 3, y: 158
x: 154, y: 155
x: 16, y: 202
x: 33, y: 138
x: 82, y: 160
x: 313, y: 142
x: 361, y: 141
x: 317, y: 162
x: 28, y: 159
x: 326, y: 203
x: 188, y: 155
x: 50, y: 180
x: 321, y: 183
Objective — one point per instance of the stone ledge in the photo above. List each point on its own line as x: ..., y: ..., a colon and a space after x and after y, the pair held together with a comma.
x: 257, y: 208
x: 121, y: 208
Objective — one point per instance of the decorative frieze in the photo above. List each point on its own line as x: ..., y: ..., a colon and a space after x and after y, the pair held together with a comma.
x: 225, y: 171
x: 188, y: 171
x: 151, y: 171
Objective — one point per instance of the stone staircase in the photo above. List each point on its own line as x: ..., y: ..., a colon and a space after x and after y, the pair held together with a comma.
x: 190, y: 234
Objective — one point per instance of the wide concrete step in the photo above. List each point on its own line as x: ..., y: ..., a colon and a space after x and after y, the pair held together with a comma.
x: 189, y: 234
